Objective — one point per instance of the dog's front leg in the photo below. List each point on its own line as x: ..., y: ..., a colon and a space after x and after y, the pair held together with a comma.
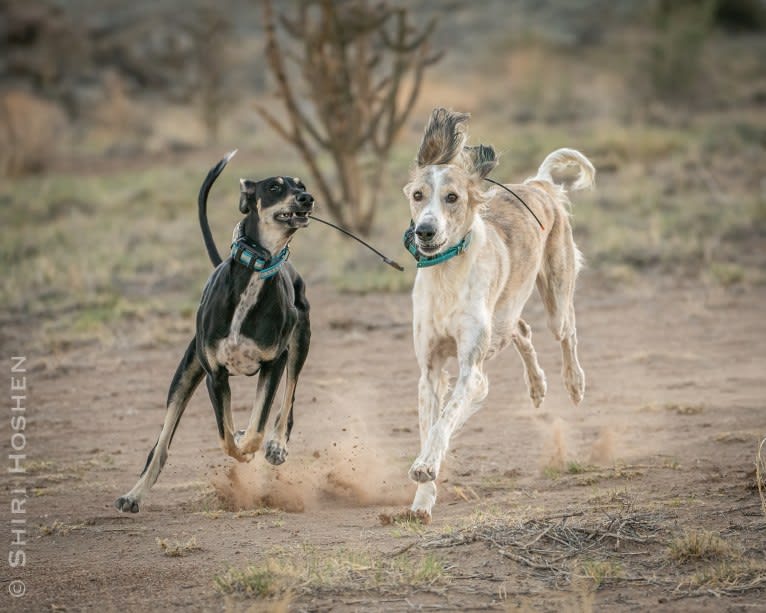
x: 470, y: 389
x: 432, y: 388
x: 249, y: 441
x: 298, y: 350
x: 220, y: 395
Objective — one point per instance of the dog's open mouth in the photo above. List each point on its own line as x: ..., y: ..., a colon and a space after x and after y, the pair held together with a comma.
x: 294, y: 219
x: 429, y: 248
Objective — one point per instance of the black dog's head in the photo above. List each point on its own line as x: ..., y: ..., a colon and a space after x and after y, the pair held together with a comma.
x: 275, y: 207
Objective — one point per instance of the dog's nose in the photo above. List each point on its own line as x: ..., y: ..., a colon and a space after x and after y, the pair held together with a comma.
x: 305, y: 199
x: 425, y: 231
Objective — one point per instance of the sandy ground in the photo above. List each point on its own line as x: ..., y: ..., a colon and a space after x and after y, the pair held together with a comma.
x: 670, y: 425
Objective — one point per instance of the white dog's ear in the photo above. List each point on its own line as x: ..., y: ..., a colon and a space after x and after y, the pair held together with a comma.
x: 443, y: 138
x: 480, y: 160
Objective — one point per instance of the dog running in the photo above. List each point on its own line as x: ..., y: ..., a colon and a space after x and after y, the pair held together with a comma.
x: 480, y: 254
x: 253, y: 318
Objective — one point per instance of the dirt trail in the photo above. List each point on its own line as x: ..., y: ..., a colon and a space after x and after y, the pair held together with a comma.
x: 673, y: 411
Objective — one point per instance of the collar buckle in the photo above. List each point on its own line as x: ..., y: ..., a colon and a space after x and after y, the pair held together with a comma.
x: 246, y: 253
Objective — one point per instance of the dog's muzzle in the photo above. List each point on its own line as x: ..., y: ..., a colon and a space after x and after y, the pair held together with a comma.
x: 297, y: 216
x: 424, y: 238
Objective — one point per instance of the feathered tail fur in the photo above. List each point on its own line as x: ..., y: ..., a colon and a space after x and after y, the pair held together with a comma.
x: 568, y: 168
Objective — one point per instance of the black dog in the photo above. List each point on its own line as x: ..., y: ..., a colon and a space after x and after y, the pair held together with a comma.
x: 253, y: 318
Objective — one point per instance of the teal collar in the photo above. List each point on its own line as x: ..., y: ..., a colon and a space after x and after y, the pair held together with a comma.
x: 424, y: 261
x: 246, y: 252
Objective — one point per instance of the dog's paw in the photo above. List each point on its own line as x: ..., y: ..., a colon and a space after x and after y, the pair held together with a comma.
x: 236, y: 454
x: 126, y: 504
x: 421, y: 472
x: 574, y: 380
x: 275, y: 453
x: 247, y: 445
x: 537, y: 389
x: 576, y: 396
x: 425, y: 498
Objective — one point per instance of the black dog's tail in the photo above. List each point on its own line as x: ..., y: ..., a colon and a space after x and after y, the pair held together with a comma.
x: 216, y: 170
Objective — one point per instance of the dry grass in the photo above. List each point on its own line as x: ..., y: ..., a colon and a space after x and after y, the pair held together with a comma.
x: 609, y: 542
x: 178, y: 549
x: 30, y: 127
x: 725, y: 579
x: 563, y: 547
x: 600, y: 572
x: 122, y: 251
x: 700, y: 545
x: 312, y: 571
x: 59, y: 528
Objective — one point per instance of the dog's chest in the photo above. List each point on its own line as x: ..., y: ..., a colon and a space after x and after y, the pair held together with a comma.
x: 239, y: 353
x: 435, y: 310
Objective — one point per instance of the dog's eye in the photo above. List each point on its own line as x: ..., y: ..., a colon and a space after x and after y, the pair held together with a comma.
x: 275, y: 187
x: 452, y: 197
x: 417, y: 196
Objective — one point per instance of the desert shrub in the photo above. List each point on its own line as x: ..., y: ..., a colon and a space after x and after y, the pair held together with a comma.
x: 29, y: 130
x: 679, y: 33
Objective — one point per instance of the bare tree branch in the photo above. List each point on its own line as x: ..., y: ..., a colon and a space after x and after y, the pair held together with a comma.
x: 351, y: 61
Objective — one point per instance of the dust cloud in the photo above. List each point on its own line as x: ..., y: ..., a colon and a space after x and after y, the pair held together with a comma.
x: 557, y: 448
x: 348, y: 471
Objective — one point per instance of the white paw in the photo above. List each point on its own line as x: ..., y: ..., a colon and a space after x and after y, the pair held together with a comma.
x: 422, y: 472
x: 425, y: 498
x: 537, y: 389
x: 574, y: 380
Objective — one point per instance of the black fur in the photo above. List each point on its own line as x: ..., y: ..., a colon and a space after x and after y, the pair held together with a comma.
x: 277, y: 323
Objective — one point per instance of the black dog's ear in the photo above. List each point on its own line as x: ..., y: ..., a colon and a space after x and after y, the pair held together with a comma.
x: 246, y: 193
x: 480, y: 159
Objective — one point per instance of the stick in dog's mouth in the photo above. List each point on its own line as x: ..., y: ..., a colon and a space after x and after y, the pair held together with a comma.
x: 288, y: 215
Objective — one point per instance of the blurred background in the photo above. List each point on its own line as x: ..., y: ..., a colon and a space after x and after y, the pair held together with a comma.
x: 111, y: 113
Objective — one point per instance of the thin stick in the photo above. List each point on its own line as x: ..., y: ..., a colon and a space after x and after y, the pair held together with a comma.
x: 387, y: 260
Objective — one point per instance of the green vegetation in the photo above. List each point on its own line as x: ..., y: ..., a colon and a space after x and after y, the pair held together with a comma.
x: 679, y: 190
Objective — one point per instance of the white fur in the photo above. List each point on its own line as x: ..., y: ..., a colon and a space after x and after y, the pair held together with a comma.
x: 470, y: 306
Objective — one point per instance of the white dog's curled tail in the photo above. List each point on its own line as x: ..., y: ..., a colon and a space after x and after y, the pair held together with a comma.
x: 568, y: 168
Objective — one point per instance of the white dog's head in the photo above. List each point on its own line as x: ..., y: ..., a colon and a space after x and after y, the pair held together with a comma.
x: 445, y: 189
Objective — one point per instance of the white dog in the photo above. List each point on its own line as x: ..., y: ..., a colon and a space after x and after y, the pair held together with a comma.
x: 480, y: 252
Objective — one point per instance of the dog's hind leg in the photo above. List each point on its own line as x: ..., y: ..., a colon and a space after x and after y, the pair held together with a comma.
x: 220, y: 395
x: 276, y: 446
x: 572, y: 372
x: 534, y: 375
x: 188, y: 376
x: 269, y: 377
x: 556, y: 283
